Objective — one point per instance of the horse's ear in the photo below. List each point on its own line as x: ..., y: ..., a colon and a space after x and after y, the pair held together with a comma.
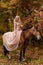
x: 33, y: 27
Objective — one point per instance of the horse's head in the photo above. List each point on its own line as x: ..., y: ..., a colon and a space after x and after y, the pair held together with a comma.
x: 36, y: 33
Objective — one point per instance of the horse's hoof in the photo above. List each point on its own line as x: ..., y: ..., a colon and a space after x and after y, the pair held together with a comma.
x: 23, y: 59
x: 20, y: 60
x: 9, y: 56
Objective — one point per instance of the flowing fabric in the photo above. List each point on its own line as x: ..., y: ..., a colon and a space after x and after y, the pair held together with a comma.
x: 11, y: 39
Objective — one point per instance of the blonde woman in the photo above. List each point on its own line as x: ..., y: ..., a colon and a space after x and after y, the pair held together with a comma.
x: 11, y: 39
x: 17, y: 24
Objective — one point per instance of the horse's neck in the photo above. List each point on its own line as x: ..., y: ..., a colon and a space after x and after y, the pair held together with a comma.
x: 27, y: 33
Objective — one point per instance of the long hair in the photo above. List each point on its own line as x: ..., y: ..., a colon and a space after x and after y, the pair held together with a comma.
x: 16, y: 18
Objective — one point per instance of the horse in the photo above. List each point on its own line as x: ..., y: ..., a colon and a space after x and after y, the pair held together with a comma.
x: 25, y: 35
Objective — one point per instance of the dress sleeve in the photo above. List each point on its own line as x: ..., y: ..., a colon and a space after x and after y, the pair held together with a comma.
x: 15, y: 25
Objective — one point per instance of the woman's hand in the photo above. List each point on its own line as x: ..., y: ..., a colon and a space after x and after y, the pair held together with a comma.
x: 21, y: 26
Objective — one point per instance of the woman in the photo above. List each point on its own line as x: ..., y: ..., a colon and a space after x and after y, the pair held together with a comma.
x: 11, y: 39
x: 17, y: 24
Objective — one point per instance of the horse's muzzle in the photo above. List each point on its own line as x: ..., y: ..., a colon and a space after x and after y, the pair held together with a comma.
x: 38, y: 37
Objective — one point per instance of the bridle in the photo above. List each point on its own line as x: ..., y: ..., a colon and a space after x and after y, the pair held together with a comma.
x: 36, y: 27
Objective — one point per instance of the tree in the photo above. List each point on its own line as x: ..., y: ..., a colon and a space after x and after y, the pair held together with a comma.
x: 25, y: 7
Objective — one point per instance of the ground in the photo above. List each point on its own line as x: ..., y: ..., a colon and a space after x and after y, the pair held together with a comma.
x: 34, y: 56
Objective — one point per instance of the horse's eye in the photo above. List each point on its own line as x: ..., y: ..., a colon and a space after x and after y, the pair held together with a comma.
x: 34, y: 30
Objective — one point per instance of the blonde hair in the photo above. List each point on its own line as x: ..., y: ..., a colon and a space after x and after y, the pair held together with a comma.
x: 17, y: 17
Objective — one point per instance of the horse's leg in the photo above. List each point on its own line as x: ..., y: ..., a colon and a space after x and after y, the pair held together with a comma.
x: 21, y: 46
x: 24, y: 52
x: 20, y: 58
x: 5, y: 51
x: 24, y: 49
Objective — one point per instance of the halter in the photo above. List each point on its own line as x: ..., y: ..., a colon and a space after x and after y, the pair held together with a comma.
x: 36, y: 27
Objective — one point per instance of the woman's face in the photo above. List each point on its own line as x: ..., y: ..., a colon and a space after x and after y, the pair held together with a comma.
x: 17, y: 19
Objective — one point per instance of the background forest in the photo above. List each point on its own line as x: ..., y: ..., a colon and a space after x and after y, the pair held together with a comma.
x: 10, y: 8
x: 25, y: 9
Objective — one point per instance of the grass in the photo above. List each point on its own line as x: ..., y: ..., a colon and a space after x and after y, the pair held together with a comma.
x: 34, y: 56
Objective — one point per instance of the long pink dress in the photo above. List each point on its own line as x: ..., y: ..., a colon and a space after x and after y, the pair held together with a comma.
x: 11, y: 39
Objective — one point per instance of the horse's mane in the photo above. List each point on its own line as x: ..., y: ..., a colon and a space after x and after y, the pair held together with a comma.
x: 27, y: 28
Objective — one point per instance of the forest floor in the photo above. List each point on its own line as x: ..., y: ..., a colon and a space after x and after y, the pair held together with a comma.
x: 34, y: 56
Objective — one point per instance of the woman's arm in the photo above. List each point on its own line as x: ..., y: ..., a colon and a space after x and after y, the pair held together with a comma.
x: 21, y: 25
x: 15, y: 25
